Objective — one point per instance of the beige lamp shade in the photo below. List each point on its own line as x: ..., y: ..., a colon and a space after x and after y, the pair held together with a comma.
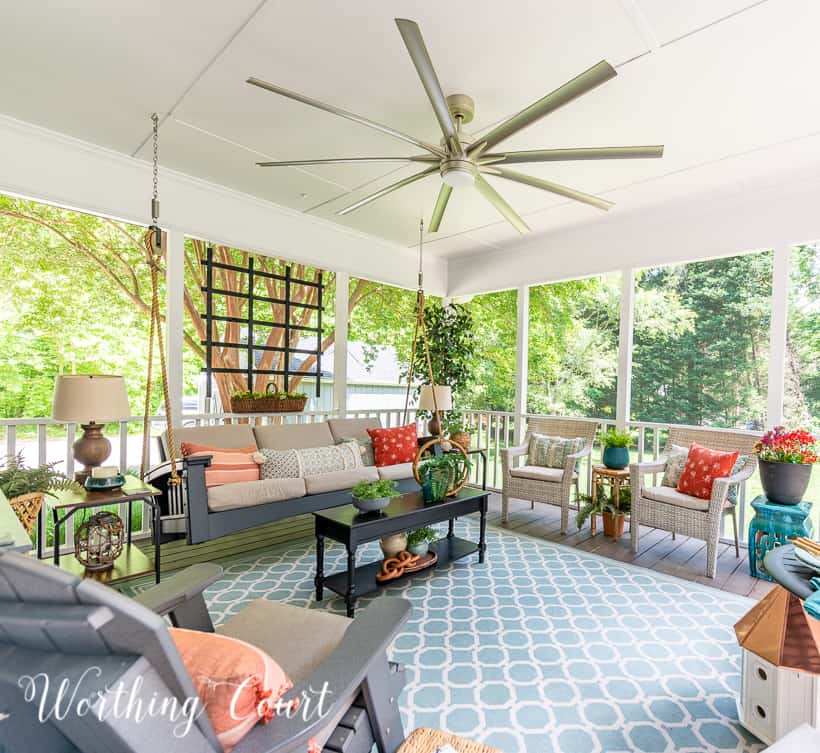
x: 444, y: 397
x: 83, y: 398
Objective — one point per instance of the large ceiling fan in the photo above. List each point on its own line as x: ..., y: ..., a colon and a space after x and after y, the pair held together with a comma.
x: 462, y: 161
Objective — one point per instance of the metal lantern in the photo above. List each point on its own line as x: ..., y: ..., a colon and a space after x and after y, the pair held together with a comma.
x: 100, y: 541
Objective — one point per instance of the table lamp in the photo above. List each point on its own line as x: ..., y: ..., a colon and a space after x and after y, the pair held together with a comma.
x: 443, y: 402
x: 91, y: 400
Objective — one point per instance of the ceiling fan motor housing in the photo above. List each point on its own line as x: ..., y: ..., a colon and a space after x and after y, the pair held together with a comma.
x: 457, y: 172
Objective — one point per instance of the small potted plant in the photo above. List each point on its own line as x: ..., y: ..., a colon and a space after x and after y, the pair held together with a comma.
x: 374, y: 496
x: 786, y: 458
x: 459, y: 431
x: 418, y: 541
x: 612, y: 516
x: 25, y: 487
x: 616, y: 448
x: 443, y: 472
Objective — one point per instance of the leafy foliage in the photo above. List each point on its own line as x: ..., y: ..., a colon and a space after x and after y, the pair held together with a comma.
x: 420, y: 535
x: 17, y: 479
x: 376, y: 489
x: 615, y: 438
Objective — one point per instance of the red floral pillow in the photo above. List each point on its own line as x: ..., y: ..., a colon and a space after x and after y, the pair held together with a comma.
x: 394, y: 446
x: 702, y: 467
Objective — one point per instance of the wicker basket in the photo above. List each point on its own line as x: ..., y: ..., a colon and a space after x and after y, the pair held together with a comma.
x: 27, y: 508
x: 268, y: 404
x: 425, y: 740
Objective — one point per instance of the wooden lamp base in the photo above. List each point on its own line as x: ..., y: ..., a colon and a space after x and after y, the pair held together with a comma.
x: 91, y: 449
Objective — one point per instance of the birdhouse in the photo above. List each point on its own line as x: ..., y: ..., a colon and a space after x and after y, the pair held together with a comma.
x: 780, y: 670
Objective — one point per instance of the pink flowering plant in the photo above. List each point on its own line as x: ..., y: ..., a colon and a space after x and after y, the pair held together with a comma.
x: 780, y: 445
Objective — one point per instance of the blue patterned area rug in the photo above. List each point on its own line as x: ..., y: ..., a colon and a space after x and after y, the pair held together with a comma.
x: 543, y: 649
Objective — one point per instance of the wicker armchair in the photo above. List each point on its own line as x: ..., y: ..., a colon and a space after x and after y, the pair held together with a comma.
x: 665, y: 508
x: 552, y: 486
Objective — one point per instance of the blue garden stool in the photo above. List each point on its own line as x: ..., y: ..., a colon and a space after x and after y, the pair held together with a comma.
x: 773, y: 525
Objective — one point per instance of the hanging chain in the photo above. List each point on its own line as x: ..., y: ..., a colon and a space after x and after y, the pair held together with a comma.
x: 155, y: 195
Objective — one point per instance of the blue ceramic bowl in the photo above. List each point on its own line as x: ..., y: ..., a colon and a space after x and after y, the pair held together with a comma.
x: 104, y: 484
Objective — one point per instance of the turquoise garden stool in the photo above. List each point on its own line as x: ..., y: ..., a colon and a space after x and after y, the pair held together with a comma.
x: 773, y: 525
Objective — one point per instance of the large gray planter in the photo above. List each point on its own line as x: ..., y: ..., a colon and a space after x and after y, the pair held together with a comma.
x: 784, y: 483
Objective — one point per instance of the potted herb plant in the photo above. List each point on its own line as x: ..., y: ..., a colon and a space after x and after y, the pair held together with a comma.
x: 443, y: 472
x: 458, y: 431
x: 25, y: 487
x: 373, y: 496
x: 616, y: 448
x: 418, y: 541
x: 786, y: 458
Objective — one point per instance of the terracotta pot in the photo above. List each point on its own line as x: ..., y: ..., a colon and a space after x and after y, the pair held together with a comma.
x: 461, y: 438
x: 392, y: 545
x: 613, y: 525
x: 784, y: 483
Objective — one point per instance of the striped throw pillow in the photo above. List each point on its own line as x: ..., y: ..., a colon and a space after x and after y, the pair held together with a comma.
x: 551, y: 452
x: 228, y: 466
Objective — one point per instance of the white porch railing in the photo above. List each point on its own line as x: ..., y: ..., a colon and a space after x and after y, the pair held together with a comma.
x: 44, y: 440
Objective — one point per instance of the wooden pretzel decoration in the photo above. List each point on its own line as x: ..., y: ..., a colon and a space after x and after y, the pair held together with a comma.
x: 458, y: 485
x: 394, y: 567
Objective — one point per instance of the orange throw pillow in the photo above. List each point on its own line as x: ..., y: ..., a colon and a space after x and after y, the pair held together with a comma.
x: 394, y: 446
x: 238, y: 684
x: 702, y: 467
x: 227, y: 466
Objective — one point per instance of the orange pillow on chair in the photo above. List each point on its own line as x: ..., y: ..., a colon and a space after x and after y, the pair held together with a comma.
x: 189, y: 448
x: 702, y: 467
x: 238, y: 684
x: 394, y: 446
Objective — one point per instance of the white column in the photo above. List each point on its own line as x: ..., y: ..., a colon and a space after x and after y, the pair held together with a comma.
x: 342, y: 314
x: 627, y: 324
x: 777, y: 335
x: 174, y: 315
x: 521, y: 359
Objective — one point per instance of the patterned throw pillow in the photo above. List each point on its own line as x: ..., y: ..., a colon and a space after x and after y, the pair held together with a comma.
x: 674, y: 465
x: 394, y: 446
x: 227, y: 466
x: 551, y: 452
x: 366, y: 447
x: 310, y: 461
x: 702, y: 467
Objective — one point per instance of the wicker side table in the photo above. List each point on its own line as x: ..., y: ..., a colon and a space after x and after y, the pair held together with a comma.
x: 615, y: 479
x: 425, y: 740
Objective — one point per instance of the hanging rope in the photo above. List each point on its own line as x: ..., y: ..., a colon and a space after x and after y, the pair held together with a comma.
x: 420, y: 326
x: 153, y: 254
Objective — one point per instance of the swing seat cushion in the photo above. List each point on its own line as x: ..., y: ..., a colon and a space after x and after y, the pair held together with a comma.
x: 251, y: 493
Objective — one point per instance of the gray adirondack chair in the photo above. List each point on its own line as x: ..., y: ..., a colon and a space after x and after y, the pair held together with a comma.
x: 56, y: 624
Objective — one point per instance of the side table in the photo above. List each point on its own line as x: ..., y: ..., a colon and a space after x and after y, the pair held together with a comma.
x: 132, y: 563
x: 615, y: 479
x: 772, y: 526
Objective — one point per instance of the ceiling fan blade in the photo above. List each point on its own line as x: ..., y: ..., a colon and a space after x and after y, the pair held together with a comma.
x: 345, y: 114
x: 411, y: 34
x: 581, y: 84
x: 565, y: 155
x: 441, y: 205
x: 388, y: 189
x: 347, y: 160
x: 506, y: 211
x: 556, y: 188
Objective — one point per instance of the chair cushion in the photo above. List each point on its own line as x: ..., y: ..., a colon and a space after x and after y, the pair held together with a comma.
x: 250, y: 493
x: 396, y: 472
x: 675, y: 460
x: 332, y: 482
x: 354, y: 428
x: 238, y: 683
x: 551, y: 452
x: 702, y: 467
x: 539, y: 473
x: 396, y: 445
x: 676, y: 498
x: 293, y: 436
x: 301, y: 638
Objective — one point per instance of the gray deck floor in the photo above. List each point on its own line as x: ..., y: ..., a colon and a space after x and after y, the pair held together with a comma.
x: 684, y: 557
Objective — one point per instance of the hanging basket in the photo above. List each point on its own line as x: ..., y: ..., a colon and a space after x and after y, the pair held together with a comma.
x: 270, y: 402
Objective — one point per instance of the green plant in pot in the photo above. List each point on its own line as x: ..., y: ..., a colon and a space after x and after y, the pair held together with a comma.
x: 786, y: 458
x: 443, y: 472
x: 374, y: 496
x: 604, y: 506
x: 418, y: 541
x: 458, y: 430
x: 616, y: 448
x: 17, y: 480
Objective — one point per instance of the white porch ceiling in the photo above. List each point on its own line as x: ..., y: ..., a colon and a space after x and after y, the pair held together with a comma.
x: 724, y: 84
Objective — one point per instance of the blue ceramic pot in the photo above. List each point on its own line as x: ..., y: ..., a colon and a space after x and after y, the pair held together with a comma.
x: 616, y: 457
